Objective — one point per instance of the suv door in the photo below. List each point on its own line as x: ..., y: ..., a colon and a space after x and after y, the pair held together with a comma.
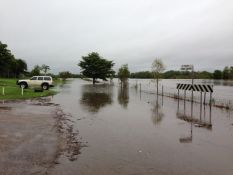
x: 32, y: 81
x: 40, y: 81
x: 48, y: 80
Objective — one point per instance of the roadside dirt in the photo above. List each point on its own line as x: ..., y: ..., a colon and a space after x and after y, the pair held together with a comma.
x: 33, y: 134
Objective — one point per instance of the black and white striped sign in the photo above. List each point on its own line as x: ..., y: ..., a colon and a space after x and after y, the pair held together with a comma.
x: 195, y: 87
x: 184, y: 86
x: 203, y: 87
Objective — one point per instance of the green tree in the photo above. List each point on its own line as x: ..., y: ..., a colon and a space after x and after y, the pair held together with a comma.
x: 21, y: 67
x: 45, y: 68
x: 217, y: 74
x: 171, y: 74
x: 64, y: 75
x: 226, y: 73
x: 9, y: 66
x: 231, y: 72
x: 123, y: 73
x: 36, y: 70
x: 93, y: 66
x: 142, y: 75
x: 5, y: 59
x: 157, y: 69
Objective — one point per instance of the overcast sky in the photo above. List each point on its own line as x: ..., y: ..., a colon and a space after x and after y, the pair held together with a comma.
x: 59, y: 32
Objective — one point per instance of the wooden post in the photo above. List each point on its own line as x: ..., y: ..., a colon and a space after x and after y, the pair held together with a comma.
x: 178, y: 95
x: 184, y: 95
x: 204, y: 111
x: 192, y: 109
x: 201, y: 106
x: 178, y: 99
x: 162, y: 90
x: 162, y: 95
x: 210, y: 98
x: 192, y: 119
x: 204, y: 98
x: 184, y: 101
x: 140, y: 91
x: 210, y: 106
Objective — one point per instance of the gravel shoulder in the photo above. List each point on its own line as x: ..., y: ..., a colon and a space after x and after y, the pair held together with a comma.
x: 33, y: 135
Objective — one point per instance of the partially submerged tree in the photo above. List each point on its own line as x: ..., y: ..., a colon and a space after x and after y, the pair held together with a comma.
x: 64, y: 75
x: 157, y: 68
x: 123, y: 96
x: 123, y: 73
x: 157, y: 113
x: 93, y: 66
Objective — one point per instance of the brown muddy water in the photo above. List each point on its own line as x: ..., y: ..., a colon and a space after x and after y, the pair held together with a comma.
x: 132, y: 133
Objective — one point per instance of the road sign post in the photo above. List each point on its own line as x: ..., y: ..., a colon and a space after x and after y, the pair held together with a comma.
x: 189, y: 67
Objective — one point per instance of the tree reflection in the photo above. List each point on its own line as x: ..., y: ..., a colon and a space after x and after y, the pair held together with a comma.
x: 157, y: 113
x: 123, y: 95
x: 96, y: 97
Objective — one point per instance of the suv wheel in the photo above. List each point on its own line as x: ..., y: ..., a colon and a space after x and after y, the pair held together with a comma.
x: 23, y: 85
x: 45, y: 86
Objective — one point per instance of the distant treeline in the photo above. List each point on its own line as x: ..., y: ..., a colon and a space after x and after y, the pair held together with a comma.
x: 226, y: 74
x: 11, y: 67
x: 66, y: 74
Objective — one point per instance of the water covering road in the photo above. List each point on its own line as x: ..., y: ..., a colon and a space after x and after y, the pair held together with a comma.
x: 128, y: 132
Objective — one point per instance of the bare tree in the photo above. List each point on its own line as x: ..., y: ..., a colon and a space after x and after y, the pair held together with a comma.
x: 45, y: 68
x: 157, y: 68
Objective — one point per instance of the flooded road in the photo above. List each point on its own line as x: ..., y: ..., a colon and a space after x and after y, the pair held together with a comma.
x: 131, y: 133
x: 223, y: 89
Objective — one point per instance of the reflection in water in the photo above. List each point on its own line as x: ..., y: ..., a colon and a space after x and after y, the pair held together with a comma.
x: 198, y: 122
x: 123, y: 96
x: 65, y: 86
x: 157, y: 113
x: 95, y: 97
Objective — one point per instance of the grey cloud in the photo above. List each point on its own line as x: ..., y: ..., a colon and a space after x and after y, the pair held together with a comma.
x: 59, y: 32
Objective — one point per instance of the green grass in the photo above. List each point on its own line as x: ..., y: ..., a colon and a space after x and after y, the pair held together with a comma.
x: 12, y: 91
x: 8, y: 82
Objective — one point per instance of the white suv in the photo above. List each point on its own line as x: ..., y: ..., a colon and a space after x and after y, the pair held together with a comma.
x: 45, y: 82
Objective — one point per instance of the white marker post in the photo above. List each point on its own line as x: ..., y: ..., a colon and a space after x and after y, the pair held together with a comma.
x: 22, y: 91
x: 3, y: 91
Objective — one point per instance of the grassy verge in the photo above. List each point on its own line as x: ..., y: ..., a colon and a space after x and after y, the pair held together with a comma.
x: 12, y: 91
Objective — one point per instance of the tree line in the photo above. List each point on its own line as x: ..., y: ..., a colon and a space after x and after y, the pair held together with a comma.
x: 95, y: 67
x: 9, y: 65
x: 226, y: 74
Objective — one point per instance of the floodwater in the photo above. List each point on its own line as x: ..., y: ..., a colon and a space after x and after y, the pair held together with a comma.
x: 223, y: 89
x: 132, y: 133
